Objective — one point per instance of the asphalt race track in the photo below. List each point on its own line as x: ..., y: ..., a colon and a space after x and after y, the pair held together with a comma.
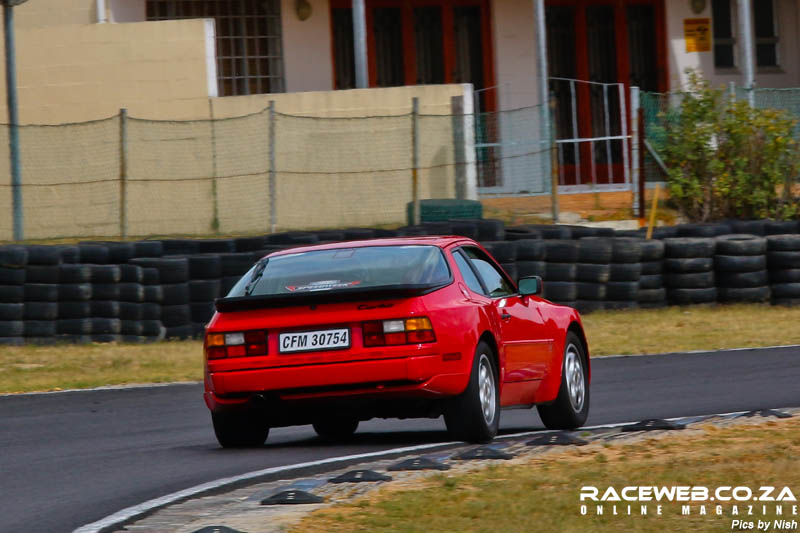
x: 72, y: 458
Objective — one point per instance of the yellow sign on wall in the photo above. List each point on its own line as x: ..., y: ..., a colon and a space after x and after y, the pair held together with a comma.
x: 697, y: 34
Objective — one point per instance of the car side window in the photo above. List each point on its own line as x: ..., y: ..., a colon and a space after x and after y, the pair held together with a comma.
x: 466, y: 272
x: 494, y: 281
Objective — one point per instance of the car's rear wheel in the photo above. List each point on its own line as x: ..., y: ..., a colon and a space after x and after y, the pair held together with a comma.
x: 336, y: 428
x: 239, y: 430
x: 474, y: 415
x: 571, y: 407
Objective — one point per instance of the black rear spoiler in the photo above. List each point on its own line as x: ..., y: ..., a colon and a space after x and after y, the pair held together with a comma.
x: 386, y: 292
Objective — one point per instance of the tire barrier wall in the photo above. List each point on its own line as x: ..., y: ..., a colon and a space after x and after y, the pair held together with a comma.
x: 150, y: 290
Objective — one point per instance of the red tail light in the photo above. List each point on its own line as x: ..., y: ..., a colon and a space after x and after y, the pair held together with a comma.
x: 236, y: 344
x: 398, y: 331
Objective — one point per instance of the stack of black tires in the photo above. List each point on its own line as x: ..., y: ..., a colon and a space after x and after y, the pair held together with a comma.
x: 741, y: 268
x: 651, y: 283
x: 622, y: 290
x: 561, y: 257
x: 592, y: 273
x: 689, y: 270
x: 41, y: 292
x: 783, y: 260
x: 13, y: 260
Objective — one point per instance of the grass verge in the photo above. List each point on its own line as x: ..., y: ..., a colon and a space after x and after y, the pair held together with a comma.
x: 674, y: 329
x: 541, y: 493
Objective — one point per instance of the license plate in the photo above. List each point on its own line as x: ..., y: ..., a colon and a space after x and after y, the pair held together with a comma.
x: 309, y: 341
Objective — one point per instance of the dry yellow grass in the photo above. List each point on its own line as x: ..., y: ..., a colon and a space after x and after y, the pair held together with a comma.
x: 542, y: 494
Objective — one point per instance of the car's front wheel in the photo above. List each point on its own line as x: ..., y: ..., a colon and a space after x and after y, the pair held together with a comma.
x: 336, y: 428
x: 474, y: 415
x: 571, y: 407
x: 239, y: 430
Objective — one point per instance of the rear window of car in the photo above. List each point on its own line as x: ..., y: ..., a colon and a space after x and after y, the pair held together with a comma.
x: 345, y: 268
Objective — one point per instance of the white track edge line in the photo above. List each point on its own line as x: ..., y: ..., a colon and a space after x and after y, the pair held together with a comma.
x: 697, y: 352
x: 150, y: 505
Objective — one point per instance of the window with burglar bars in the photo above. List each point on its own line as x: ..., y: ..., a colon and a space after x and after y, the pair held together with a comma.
x: 249, y: 49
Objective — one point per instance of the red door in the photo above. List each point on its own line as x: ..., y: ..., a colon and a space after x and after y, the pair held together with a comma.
x: 527, y: 349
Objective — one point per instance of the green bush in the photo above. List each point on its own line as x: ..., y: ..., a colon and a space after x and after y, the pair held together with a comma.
x: 729, y: 160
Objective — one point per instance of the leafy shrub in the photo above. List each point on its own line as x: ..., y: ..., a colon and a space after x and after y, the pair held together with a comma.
x: 729, y: 160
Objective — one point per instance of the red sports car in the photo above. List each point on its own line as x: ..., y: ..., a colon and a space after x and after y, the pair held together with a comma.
x: 334, y: 334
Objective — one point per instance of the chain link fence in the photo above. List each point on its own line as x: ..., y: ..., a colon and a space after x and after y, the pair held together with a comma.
x: 256, y: 173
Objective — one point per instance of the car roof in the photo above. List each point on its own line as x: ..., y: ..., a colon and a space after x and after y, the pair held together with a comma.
x: 442, y: 241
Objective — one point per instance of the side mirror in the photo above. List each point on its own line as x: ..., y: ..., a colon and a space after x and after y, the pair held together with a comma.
x: 530, y: 285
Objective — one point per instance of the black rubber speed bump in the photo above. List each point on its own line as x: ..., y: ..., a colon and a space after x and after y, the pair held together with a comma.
x: 767, y: 413
x: 418, y: 463
x: 653, y: 424
x: 562, y: 438
x: 483, y: 453
x: 218, y: 529
x: 292, y: 497
x: 360, y: 476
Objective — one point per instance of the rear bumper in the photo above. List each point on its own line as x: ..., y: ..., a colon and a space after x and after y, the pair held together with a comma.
x: 414, y: 377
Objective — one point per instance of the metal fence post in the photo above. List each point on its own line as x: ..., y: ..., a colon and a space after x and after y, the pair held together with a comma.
x: 415, y: 159
x: 457, y: 116
x: 214, y: 195
x: 123, y: 172
x: 13, y: 121
x: 273, y: 215
x: 635, y: 146
x: 553, y: 162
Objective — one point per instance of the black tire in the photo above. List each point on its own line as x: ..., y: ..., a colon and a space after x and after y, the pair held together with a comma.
x: 176, y: 315
x: 148, y: 249
x: 519, y: 233
x: 336, y: 428
x: 740, y: 263
x: 502, y: 251
x: 130, y: 311
x: 652, y: 250
x: 560, y: 291
x: 40, y: 328
x: 531, y: 268
x: 570, y: 408
x: 694, y: 280
x: 707, y: 229
x: 153, y: 293
x: 651, y: 281
x: 131, y: 328
x: 12, y: 276
x: 119, y: 252
x: 579, y: 232
x: 41, y: 274
x: 743, y: 294
x: 152, y: 328
x: 692, y: 296
x: 105, y: 273
x: 183, y: 333
x: 785, y: 302
x: 622, y: 290
x: 202, y: 312
x: 466, y: 417
x: 785, y: 290
x: 11, y: 328
x: 74, y: 326
x: 689, y: 247
x: 326, y: 235
x: 740, y: 244
x: 783, y: 243
x: 41, y: 311
x: 511, y: 270
x: 490, y: 229
x: 688, y: 264
x: 626, y: 250
x: 780, y: 227
x: 652, y: 295
x: 652, y: 267
x: 205, y: 266
x: 592, y: 273
x: 39, y: 254
x: 106, y: 338
x: 151, y: 311
x: 558, y: 251
x: 360, y: 234
x: 789, y: 275
x: 12, y: 311
x: 236, y: 264
x: 106, y: 326
x: 594, y: 251
x: 131, y: 292
x: 105, y: 308
x: 71, y: 310
x: 175, y: 293
x: 245, y: 429
x: 591, y: 291
x: 13, y: 256
x: 41, y: 292
x: 619, y: 305
x: 131, y: 274
x: 74, y: 274
x: 781, y: 259
x: 530, y: 250
x: 293, y: 238
x: 462, y: 228
x: 150, y: 276
x: 625, y: 272
x: 759, y: 278
x: 751, y: 227
x: 551, y: 232
x: 92, y: 253
x: 105, y: 291
x: 560, y: 271
x: 12, y: 294
x: 74, y: 292
x: 585, y: 307
x: 251, y: 244
x: 170, y: 269
x: 216, y: 246
x: 178, y: 246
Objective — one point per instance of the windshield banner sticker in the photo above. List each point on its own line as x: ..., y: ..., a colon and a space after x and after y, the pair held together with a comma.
x: 325, y: 285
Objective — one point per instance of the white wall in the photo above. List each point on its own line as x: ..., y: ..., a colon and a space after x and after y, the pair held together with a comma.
x: 307, y: 47
x: 513, y: 28
x: 787, y: 75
